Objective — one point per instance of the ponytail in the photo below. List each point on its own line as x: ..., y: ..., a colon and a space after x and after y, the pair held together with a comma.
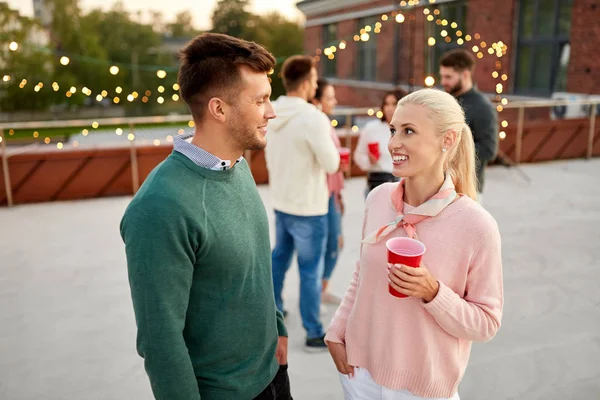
x: 450, y: 116
x: 461, y: 165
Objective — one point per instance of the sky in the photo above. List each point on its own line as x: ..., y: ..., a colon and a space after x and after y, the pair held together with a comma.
x: 200, y: 9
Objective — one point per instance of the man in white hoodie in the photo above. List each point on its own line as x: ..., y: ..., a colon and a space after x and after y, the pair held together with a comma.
x: 299, y: 154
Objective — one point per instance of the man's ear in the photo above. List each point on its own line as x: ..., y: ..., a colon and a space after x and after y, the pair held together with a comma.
x: 217, y: 109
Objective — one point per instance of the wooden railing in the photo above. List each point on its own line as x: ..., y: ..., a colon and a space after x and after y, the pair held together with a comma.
x: 123, y: 168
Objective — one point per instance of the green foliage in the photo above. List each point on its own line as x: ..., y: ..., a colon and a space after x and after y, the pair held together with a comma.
x: 283, y: 38
x: 96, y: 40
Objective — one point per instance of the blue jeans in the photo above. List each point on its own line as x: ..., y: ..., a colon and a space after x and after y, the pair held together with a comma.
x: 334, y: 224
x: 306, y: 235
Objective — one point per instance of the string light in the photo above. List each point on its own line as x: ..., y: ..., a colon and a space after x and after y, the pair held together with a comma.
x: 400, y: 18
x: 13, y: 46
x: 429, y: 81
x: 118, y: 89
x: 504, y: 124
x: 334, y: 123
x: 99, y: 98
x: 161, y: 74
x: 175, y: 97
x: 170, y: 139
x: 116, y: 100
x: 119, y: 131
x: 47, y: 140
x: 502, y: 135
x: 59, y: 145
x: 181, y: 131
x: 95, y: 125
x: 431, y: 41
x: 384, y: 17
x: 85, y: 132
x: 160, y: 100
x: 191, y: 124
x: 130, y: 137
x: 130, y: 98
x: 6, y: 78
x: 342, y: 45
x: 114, y: 70
x: 364, y: 37
x: 175, y: 86
x: 355, y: 129
x: 65, y: 60
x: 156, y: 142
x: 370, y: 112
x: 379, y: 114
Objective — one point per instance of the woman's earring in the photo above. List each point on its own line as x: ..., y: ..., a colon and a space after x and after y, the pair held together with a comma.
x: 444, y: 149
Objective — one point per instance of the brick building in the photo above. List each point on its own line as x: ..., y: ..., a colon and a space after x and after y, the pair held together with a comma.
x: 550, y: 44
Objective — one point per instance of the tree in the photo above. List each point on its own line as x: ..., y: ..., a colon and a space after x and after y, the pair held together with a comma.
x: 283, y: 38
x: 231, y: 17
x: 30, y: 62
x: 183, y: 26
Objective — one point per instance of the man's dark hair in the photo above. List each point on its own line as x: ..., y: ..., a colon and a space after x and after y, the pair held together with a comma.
x: 459, y: 59
x: 322, y: 84
x: 296, y: 70
x: 210, y: 68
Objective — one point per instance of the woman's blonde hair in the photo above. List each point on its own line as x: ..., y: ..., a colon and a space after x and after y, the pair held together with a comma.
x: 448, y: 115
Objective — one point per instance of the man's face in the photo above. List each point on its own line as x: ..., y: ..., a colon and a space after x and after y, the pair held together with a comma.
x: 451, y: 80
x: 251, y: 111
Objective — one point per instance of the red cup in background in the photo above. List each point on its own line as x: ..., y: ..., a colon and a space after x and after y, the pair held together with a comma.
x: 345, y: 155
x: 407, y: 251
x: 374, y: 149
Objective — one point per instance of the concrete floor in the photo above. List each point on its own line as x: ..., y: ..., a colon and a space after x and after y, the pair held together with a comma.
x: 67, y: 329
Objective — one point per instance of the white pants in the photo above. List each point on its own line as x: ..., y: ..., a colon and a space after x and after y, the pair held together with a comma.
x: 362, y: 387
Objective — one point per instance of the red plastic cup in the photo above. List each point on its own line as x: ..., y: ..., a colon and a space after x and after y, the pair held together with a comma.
x: 374, y: 149
x: 407, y: 251
x: 345, y: 155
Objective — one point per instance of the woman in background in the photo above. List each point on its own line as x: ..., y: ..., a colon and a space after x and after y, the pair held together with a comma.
x: 376, y: 134
x: 326, y: 101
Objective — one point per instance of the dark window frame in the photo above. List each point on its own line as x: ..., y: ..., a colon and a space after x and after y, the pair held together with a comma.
x: 535, y: 43
x: 330, y: 37
x: 366, y: 52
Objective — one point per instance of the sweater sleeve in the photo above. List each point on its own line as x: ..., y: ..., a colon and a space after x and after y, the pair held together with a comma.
x: 361, y: 153
x: 337, y: 328
x: 160, y: 263
x: 319, y: 140
x: 281, y: 329
x: 477, y: 316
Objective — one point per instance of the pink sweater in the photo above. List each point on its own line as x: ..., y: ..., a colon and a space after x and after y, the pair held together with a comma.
x: 406, y: 344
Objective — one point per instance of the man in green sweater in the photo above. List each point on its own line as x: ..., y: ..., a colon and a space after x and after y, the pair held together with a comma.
x: 197, y: 240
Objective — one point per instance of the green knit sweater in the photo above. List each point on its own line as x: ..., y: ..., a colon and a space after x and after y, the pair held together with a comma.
x: 199, y: 263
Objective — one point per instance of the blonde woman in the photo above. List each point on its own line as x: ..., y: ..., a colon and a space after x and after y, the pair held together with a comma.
x: 415, y: 348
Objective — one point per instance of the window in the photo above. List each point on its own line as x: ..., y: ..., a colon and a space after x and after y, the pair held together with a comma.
x: 366, y: 51
x: 543, y: 46
x: 451, y: 12
x: 329, y: 39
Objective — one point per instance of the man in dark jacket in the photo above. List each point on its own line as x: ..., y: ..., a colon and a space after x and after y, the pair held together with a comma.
x: 456, y: 74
